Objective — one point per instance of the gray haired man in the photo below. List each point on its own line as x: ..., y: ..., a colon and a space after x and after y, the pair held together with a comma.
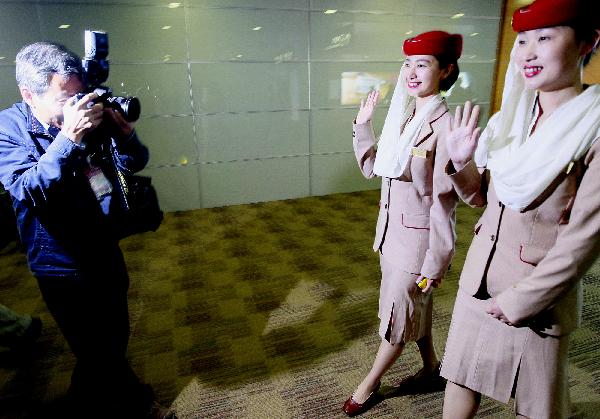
x: 62, y: 194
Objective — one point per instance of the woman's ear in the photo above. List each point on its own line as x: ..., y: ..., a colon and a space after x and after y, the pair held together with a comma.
x: 592, y: 46
x: 446, y: 71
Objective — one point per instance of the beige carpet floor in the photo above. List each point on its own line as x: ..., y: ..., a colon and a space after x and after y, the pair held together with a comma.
x: 265, y: 311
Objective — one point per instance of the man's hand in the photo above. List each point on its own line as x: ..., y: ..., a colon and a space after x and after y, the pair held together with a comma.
x: 496, y: 312
x: 81, y: 118
x: 117, y: 124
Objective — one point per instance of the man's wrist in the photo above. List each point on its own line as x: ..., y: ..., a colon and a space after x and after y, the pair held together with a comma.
x: 72, y: 136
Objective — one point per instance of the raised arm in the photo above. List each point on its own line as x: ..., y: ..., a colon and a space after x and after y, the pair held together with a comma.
x: 35, y: 179
x: 461, y: 142
x: 363, y: 135
x: 131, y: 155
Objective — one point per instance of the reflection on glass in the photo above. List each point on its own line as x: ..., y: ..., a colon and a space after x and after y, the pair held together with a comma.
x: 65, y: 26
x: 257, y: 28
x: 462, y: 87
x: 330, y: 11
x: 458, y: 15
x: 173, y: 5
x: 356, y: 85
x: 339, y: 41
x: 286, y: 56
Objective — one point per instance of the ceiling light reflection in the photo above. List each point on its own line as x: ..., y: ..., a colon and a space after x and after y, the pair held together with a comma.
x: 330, y: 11
x: 458, y: 15
x: 64, y: 26
x: 257, y: 28
x: 167, y: 27
x: 173, y: 5
x: 474, y: 34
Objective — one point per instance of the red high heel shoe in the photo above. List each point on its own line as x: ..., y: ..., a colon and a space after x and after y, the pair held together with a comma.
x: 352, y: 408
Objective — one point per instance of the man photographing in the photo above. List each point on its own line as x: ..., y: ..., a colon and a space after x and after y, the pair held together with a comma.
x: 62, y: 193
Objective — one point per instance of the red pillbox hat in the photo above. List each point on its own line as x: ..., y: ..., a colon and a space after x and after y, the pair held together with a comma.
x: 437, y: 43
x: 546, y: 13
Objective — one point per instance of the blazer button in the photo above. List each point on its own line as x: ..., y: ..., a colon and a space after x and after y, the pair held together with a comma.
x: 493, y: 237
x: 385, y: 206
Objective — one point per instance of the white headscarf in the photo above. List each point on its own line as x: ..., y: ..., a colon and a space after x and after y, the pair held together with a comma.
x: 521, y: 167
x: 393, y: 148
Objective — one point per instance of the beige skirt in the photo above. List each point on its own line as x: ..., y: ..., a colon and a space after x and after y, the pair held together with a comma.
x: 498, y: 360
x: 404, y: 311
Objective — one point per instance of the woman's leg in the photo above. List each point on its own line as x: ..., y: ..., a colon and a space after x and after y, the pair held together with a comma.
x: 427, y: 352
x: 386, y: 356
x: 460, y: 402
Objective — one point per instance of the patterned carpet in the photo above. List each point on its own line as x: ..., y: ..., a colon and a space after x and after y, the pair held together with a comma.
x: 264, y: 310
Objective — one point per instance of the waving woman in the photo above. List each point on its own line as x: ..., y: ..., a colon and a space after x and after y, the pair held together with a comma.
x: 415, y: 229
x: 536, y: 169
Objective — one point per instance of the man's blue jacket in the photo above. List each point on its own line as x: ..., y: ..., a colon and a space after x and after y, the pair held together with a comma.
x: 61, y: 222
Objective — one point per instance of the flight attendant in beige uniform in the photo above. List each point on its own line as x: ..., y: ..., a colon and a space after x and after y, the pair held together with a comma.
x: 415, y: 230
x: 536, y: 168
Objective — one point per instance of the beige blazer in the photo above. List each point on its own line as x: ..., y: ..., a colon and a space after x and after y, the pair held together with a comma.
x: 532, y: 261
x: 415, y: 227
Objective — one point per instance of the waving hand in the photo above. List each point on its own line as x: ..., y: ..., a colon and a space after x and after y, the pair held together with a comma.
x: 463, y: 135
x: 367, y: 107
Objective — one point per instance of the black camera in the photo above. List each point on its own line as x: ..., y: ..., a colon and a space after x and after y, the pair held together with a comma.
x: 95, y: 72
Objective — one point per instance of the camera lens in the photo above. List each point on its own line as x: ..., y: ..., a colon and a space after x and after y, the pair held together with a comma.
x: 129, y: 107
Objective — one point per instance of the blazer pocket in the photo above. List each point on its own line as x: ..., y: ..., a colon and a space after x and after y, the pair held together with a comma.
x: 531, y: 255
x: 421, y: 172
x: 417, y: 222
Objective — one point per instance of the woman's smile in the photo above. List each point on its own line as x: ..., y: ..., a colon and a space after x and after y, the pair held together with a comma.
x: 413, y: 84
x: 532, y: 71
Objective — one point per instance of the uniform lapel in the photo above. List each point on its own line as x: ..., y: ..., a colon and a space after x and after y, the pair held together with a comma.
x: 427, y: 128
